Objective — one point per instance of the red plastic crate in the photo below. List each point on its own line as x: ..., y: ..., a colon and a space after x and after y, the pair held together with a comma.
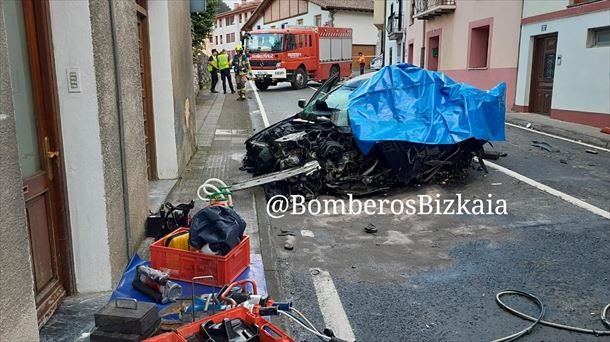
x: 167, y: 337
x: 268, y: 331
x: 184, y: 265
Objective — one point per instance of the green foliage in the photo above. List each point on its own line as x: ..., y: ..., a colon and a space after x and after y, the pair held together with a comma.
x: 223, y: 7
x: 202, y: 23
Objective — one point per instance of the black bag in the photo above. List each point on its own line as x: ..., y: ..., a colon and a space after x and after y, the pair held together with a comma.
x: 220, y: 227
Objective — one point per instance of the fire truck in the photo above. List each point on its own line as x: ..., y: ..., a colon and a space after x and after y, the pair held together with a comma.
x: 299, y: 54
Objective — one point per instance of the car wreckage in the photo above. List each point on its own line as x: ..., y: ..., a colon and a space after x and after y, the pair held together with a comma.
x: 399, y: 126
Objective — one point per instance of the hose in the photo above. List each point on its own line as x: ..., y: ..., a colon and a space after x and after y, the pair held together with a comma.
x: 539, y: 320
x: 218, y: 192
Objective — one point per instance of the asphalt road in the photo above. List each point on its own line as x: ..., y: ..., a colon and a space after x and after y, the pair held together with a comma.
x: 434, y: 277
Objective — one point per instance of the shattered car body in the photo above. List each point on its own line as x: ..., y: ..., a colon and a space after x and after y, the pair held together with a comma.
x: 322, y: 132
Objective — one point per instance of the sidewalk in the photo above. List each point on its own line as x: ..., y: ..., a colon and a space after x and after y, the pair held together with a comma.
x: 570, y: 130
x: 223, y: 126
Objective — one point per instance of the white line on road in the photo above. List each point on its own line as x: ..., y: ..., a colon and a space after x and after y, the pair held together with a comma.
x: 260, y: 104
x: 570, y: 199
x: 558, y: 137
x: 314, y: 89
x: 330, y: 305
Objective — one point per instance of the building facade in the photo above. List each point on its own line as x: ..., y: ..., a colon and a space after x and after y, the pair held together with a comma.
x: 88, y: 117
x: 470, y: 41
x: 564, y: 59
x: 355, y: 14
x: 228, y: 27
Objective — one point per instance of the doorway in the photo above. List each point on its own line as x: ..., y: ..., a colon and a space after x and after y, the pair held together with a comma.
x: 146, y: 82
x: 39, y: 148
x: 543, y: 73
x: 434, y: 53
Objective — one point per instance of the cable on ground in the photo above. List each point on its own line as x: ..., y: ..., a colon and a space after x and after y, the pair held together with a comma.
x: 539, y: 320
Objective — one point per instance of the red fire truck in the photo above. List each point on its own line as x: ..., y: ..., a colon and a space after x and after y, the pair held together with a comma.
x: 299, y: 54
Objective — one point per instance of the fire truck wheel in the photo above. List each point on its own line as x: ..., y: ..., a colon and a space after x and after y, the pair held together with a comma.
x: 262, y: 85
x: 299, y: 79
x: 334, y: 71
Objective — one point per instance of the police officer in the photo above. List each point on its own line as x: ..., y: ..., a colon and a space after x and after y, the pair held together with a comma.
x: 213, y: 69
x: 241, y: 65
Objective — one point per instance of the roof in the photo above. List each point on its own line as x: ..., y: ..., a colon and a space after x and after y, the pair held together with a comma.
x: 344, y: 5
x: 241, y: 8
x: 349, y: 5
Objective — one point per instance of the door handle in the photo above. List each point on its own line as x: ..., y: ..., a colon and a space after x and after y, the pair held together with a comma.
x: 48, y: 156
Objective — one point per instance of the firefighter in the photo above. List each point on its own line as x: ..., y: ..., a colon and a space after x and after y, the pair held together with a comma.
x: 213, y: 69
x: 241, y: 65
x: 225, y: 70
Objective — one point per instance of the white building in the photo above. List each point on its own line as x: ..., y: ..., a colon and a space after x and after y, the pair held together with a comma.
x: 564, y: 59
x: 228, y: 25
x: 355, y: 14
x: 392, y: 24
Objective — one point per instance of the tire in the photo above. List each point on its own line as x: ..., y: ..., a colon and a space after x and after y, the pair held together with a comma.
x: 299, y: 79
x: 262, y: 85
x: 334, y: 70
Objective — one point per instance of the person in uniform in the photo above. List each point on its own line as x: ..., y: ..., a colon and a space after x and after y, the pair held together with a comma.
x: 241, y: 65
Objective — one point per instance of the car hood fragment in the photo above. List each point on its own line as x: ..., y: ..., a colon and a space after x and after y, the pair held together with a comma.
x: 406, y: 103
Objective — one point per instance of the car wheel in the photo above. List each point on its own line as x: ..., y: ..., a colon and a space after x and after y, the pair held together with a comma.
x: 262, y: 85
x: 299, y: 79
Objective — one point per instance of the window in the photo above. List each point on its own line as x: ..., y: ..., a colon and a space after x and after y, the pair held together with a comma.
x: 318, y: 20
x: 240, y: 17
x: 221, y: 39
x: 598, y: 37
x: 290, y: 42
x: 300, y: 22
x: 310, y: 44
x: 230, y: 20
x: 216, y: 40
x: 410, y: 54
x: 479, y: 45
x: 219, y: 23
x: 228, y: 38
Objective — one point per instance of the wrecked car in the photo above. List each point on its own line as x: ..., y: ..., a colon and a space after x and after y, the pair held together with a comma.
x: 367, y: 139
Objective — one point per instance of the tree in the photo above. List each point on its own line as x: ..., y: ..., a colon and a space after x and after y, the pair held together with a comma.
x: 202, y: 23
x: 223, y: 7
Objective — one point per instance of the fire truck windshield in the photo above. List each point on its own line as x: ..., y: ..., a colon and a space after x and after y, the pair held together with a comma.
x: 266, y: 42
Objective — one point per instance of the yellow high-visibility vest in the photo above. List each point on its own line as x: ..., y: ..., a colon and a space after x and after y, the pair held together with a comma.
x: 223, y: 61
x: 213, y: 64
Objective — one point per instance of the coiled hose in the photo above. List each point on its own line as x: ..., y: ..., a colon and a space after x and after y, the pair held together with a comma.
x: 539, y: 320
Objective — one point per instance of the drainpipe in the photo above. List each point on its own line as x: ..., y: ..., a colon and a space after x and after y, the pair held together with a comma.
x: 422, y: 56
x: 120, y: 114
x: 518, y: 59
x: 383, y: 34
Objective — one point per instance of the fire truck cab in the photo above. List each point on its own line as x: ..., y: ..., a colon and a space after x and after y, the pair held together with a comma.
x: 299, y: 54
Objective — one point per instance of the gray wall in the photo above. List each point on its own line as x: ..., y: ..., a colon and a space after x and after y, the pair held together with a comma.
x: 182, y: 79
x: 136, y: 193
x: 17, y: 307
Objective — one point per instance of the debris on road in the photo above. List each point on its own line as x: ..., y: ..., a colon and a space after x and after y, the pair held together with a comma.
x: 591, y: 151
x: 529, y: 125
x: 288, y: 246
x: 379, y: 145
x: 542, y: 145
x: 493, y: 155
x: 370, y: 228
x: 563, y: 161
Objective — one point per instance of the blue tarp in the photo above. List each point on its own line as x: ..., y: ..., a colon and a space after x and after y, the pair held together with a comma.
x: 406, y: 103
x: 125, y: 290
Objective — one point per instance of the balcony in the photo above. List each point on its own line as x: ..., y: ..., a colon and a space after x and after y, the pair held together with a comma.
x: 428, y: 9
x: 394, y: 27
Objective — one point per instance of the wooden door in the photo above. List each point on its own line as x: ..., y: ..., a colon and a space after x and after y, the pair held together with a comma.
x: 146, y: 81
x: 39, y: 148
x: 543, y: 71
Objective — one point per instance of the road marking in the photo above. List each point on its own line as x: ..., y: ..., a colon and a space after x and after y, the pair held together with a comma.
x: 570, y: 199
x: 260, y: 105
x: 307, y: 233
x: 330, y: 305
x: 314, y: 89
x: 558, y: 137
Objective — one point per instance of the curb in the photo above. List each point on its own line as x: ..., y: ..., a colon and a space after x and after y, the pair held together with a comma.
x: 562, y: 132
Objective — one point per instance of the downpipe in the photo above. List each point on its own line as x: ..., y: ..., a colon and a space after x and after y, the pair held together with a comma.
x: 120, y: 114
